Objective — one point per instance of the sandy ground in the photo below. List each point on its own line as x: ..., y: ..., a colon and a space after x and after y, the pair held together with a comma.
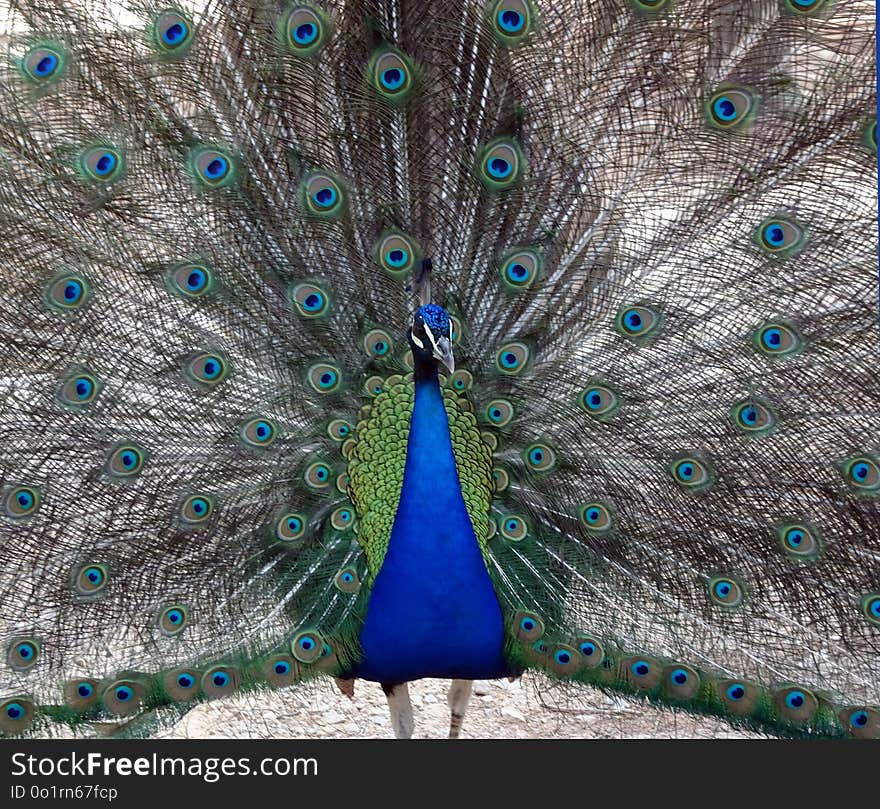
x: 498, y: 709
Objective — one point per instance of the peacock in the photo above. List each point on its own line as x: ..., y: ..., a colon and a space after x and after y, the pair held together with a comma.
x: 386, y: 339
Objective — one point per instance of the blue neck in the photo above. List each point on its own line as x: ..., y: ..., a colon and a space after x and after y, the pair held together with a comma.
x: 432, y: 610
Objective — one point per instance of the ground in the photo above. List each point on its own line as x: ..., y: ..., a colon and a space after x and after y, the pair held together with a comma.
x: 498, y: 709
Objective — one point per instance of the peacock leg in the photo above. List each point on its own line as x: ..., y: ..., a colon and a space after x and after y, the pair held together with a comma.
x: 401, y: 709
x: 458, y: 698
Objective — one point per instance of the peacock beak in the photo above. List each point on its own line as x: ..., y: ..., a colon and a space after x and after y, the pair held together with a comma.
x: 443, y: 353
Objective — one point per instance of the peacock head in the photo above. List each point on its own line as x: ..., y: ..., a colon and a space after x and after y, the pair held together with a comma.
x: 430, y: 336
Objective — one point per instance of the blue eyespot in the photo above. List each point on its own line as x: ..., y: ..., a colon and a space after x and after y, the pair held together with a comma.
x: 281, y: 668
x: 196, y: 280
x: 216, y: 168
x: 562, y: 657
x: 199, y: 506
x: 26, y: 651
x: 174, y: 34
x: 509, y: 360
x: 105, y: 164
x: 638, y: 322
x: 795, y: 699
x: 185, y: 681
x: 220, y: 679
x: 14, y: 711
x: 632, y: 321
x: 725, y: 592
x: 313, y: 302
x: 307, y: 644
x: 174, y: 616
x: 24, y: 499
x: 46, y: 66
x: 858, y: 719
x: 724, y: 109
x: 305, y: 34
x: 735, y: 692
x: 397, y: 258
x: 43, y: 62
x: 212, y: 368
x: 85, y: 690
x: 393, y: 78
x: 588, y: 649
x: 83, y: 388
x: 94, y: 575
x: 294, y: 524
x: 123, y: 693
x: 536, y: 456
x: 871, y: 607
x: 527, y: 625
x: 511, y: 22
x: 325, y: 197
x: 641, y: 668
x: 499, y: 168
x: 731, y: 108
x: 679, y: 676
x: 73, y: 291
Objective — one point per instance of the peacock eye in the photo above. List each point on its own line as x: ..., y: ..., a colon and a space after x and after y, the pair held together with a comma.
x: 499, y: 412
x: 125, y: 461
x: 732, y: 108
x: 650, y: 6
x: 871, y: 608
x: 307, y: 647
x: 391, y: 75
x: 862, y: 473
x: 805, y: 7
x: 172, y: 33
x: 303, y: 30
x: 101, y: 163
x: 290, y: 527
x: 190, y: 280
x: 196, y: 509
x: 21, y: 501
x: 799, y: 541
x: 207, y: 369
x: 639, y: 322
x: 44, y: 64
x: 528, y: 626
x: 753, y: 417
x: 512, y: 358
x: 780, y: 236
x: 323, y: 195
x: 514, y: 528
x: 599, y: 400
x: 210, y: 166
x: 67, y: 291
x: 501, y: 163
x: 342, y: 518
x: 318, y: 475
x: 596, y: 518
x: 591, y: 651
x: 520, y: 269
x: 23, y: 655
x: 692, y: 473
x: 324, y: 378
x: 172, y: 620
x: 778, y: 340
x: 725, y: 592
x: 462, y: 380
x: 347, y: 580
x: 309, y: 300
x: 378, y: 343
x: 512, y: 20
x: 540, y: 457
x: 258, y: 432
